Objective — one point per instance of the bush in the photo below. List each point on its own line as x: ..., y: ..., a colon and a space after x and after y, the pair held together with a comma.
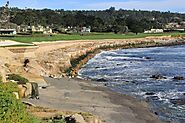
x: 20, y: 79
x: 1, y: 79
x: 8, y: 87
x: 11, y: 109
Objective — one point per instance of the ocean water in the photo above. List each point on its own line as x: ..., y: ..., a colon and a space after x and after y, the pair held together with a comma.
x: 129, y: 71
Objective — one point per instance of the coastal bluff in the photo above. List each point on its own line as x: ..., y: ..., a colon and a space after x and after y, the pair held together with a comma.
x: 51, y: 63
x: 64, y: 58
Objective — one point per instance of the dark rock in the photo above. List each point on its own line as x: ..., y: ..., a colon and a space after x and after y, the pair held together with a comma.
x: 26, y: 61
x: 182, y: 83
x: 148, y: 58
x: 179, y: 78
x: 180, y: 101
x: 158, y: 76
x: 101, y: 80
x: 156, y: 113
x: 149, y: 93
x: 105, y: 84
x: 44, y: 87
x: 35, y: 91
x: 148, y: 99
x: 51, y: 76
x: 59, y: 117
x: 70, y: 119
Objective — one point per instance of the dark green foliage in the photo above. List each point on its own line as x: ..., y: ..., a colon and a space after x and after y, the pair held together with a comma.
x: 16, y: 77
x: 99, y: 21
x: 76, y: 61
x: 1, y: 79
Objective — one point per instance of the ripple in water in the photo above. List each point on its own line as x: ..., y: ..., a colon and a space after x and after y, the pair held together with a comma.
x: 129, y: 71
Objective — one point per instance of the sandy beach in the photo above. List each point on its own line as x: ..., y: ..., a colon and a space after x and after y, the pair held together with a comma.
x: 84, y: 96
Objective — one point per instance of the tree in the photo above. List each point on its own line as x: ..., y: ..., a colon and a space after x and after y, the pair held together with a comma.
x: 134, y: 25
x: 100, y: 20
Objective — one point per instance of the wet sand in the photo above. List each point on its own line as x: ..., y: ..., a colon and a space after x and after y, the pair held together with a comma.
x: 83, y: 96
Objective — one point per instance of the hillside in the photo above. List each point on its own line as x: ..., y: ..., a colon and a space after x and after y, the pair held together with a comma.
x: 109, y: 20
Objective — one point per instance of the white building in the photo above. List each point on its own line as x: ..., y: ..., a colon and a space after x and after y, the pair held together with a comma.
x: 86, y: 29
x: 8, y: 32
x: 154, y: 31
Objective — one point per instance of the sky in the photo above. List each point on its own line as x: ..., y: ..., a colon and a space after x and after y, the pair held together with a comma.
x: 158, y: 5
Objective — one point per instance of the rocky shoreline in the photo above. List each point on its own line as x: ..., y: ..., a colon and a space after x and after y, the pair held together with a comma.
x: 79, y: 61
x: 64, y: 59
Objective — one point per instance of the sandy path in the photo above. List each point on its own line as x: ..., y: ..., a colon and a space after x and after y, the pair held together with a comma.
x: 11, y: 43
x: 82, y: 96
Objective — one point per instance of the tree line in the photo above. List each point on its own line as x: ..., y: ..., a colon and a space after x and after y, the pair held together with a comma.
x: 110, y: 20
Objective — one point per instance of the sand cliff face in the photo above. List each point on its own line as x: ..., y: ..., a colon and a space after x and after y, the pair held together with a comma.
x: 56, y: 58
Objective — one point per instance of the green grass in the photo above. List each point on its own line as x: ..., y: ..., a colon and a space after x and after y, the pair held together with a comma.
x: 20, y: 45
x: 11, y: 109
x: 91, y: 36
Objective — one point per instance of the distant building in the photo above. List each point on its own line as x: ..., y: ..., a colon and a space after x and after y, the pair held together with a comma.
x: 172, y: 26
x: 8, y: 32
x: 23, y: 28
x: 34, y: 29
x: 6, y: 27
x: 182, y: 23
x: 154, y: 31
x: 37, y: 29
x: 180, y: 27
x: 48, y: 30
x: 86, y: 29
x: 41, y: 29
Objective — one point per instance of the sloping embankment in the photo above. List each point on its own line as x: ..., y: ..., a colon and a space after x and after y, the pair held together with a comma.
x: 65, y: 58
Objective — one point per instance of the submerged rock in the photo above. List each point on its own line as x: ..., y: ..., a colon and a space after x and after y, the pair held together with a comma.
x: 105, y: 84
x: 158, y: 76
x: 149, y: 93
x: 148, y: 99
x: 147, y: 58
x: 179, y: 78
x: 101, y: 80
x: 180, y: 101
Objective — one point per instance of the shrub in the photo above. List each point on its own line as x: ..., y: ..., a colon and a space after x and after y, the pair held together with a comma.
x: 8, y: 87
x: 11, y: 109
x: 1, y: 79
x: 16, y: 77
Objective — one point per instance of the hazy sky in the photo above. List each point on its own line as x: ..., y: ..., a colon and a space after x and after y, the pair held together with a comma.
x: 161, y: 5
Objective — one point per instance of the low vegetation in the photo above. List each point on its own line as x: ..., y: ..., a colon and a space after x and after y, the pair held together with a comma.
x: 18, y: 78
x: 11, y: 109
x: 1, y: 79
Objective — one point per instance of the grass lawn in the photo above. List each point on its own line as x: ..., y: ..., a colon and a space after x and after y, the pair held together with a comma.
x: 91, y: 36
